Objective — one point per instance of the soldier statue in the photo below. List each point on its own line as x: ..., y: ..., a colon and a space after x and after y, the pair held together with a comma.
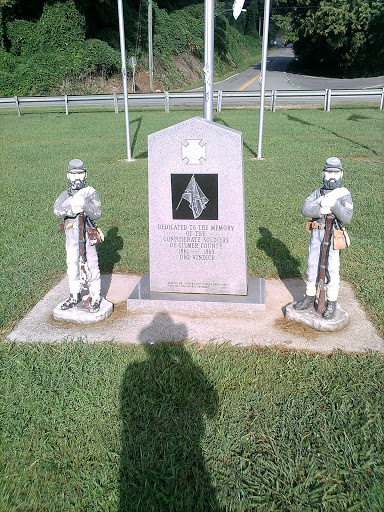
x: 79, y: 206
x: 329, y: 208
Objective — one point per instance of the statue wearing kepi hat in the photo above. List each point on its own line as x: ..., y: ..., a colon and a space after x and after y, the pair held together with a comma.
x: 80, y: 206
x: 329, y: 207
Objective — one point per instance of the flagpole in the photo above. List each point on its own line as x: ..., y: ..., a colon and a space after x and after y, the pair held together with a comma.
x: 124, y: 73
x: 209, y: 27
x: 263, y: 76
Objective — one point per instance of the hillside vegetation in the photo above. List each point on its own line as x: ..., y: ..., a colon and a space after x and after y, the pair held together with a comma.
x: 72, y: 47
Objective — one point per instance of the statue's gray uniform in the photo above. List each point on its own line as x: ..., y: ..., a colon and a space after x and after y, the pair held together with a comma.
x: 63, y: 209
x: 342, y: 210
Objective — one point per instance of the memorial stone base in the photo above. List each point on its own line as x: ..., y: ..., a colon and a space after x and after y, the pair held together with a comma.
x: 143, y: 301
x: 311, y: 318
x: 79, y: 315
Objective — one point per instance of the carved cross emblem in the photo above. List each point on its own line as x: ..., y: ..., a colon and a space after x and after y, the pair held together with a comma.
x: 193, y: 151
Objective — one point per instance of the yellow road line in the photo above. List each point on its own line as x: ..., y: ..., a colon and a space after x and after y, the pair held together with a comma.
x: 248, y: 83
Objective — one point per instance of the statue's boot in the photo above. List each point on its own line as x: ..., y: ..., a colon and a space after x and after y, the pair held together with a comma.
x: 72, y: 301
x: 94, y: 307
x: 304, y: 303
x: 330, y: 312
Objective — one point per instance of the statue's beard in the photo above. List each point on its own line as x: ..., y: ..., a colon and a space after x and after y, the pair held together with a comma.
x: 77, y: 184
x: 331, y: 184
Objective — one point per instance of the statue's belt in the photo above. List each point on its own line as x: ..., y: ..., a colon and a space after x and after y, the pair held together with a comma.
x: 316, y: 225
x: 313, y: 225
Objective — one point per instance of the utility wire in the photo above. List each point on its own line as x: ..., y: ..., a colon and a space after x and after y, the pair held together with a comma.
x: 138, y: 34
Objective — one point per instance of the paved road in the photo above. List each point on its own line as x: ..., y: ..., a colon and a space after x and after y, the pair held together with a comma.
x: 279, y: 79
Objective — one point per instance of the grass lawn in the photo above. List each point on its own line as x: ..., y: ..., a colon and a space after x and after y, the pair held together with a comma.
x: 175, y: 427
x: 38, y: 146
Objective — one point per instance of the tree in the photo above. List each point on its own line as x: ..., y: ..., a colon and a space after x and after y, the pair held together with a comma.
x: 337, y: 38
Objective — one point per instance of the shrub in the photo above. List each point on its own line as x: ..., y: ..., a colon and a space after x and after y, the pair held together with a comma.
x: 7, y: 61
x: 21, y: 35
x: 61, y: 27
x: 100, y: 57
x: 179, y: 32
x: 45, y: 52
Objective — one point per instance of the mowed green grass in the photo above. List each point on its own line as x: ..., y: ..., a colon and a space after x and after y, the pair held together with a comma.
x: 36, y: 149
x: 176, y: 427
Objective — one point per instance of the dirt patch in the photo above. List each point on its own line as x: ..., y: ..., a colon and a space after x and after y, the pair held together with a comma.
x: 287, y: 325
x: 119, y: 311
x: 181, y: 71
x: 103, y: 85
x: 368, y: 160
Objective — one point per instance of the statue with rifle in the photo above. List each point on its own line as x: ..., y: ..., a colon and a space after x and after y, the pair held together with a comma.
x: 80, y: 206
x: 330, y: 208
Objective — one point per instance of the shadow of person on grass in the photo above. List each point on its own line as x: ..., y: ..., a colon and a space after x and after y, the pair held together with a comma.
x: 287, y: 265
x: 165, y: 398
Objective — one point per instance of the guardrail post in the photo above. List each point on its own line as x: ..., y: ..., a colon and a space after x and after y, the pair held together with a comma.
x: 219, y: 100
x: 327, y: 101
x: 273, y: 100
x: 382, y: 100
x: 17, y: 105
x: 66, y: 104
x: 166, y: 100
x: 115, y: 103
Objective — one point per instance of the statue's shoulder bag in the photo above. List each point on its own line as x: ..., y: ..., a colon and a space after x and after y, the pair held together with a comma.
x: 340, y: 237
x: 95, y: 235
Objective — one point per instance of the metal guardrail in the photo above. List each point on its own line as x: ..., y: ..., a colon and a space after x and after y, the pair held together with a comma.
x: 164, y: 98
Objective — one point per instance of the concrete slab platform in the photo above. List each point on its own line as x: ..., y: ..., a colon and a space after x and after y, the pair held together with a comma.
x: 142, y: 300
x: 267, y: 328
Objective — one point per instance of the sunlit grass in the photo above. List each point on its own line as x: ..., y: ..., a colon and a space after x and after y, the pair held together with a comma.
x: 172, y: 428
x: 38, y: 145
x: 168, y: 427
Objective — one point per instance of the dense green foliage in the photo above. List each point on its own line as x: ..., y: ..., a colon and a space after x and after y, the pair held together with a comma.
x: 171, y: 427
x: 336, y: 38
x: 179, y: 31
x: 42, y: 53
x: 37, y: 147
x: 44, y: 44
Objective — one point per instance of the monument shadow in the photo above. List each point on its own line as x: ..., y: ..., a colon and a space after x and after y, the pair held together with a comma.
x: 165, y: 399
x: 286, y: 265
x: 218, y: 119
x: 108, y: 256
